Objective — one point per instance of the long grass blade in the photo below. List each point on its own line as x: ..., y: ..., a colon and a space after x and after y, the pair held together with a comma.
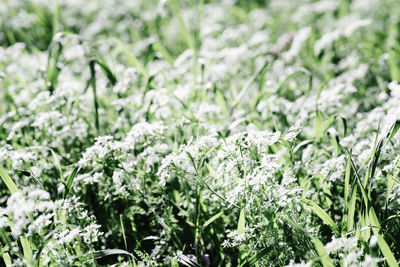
x: 387, y: 252
x: 323, y: 255
x: 211, y: 220
x: 184, y: 30
x: 323, y: 215
x: 241, y: 222
x: 8, y: 181
x: 70, y: 180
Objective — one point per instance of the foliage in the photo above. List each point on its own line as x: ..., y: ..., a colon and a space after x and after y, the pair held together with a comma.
x: 199, y: 133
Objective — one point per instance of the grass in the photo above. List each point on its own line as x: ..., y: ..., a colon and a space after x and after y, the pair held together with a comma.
x: 199, y: 133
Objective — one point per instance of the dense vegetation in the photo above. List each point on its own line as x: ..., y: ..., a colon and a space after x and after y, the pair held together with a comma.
x: 200, y: 133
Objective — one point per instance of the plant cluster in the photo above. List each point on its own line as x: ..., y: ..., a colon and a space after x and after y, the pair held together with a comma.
x: 199, y: 133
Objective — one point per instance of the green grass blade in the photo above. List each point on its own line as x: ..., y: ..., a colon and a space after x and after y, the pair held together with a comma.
x: 211, y: 220
x: 383, y: 246
x: 8, y: 181
x: 184, y: 30
x: 109, y: 252
x: 220, y: 99
x: 263, y: 67
x: 322, y: 215
x: 346, y: 195
x: 352, y: 210
x: 241, y: 222
x: 387, y: 253
x: 391, y: 181
x: 393, y: 130
x: 347, y: 181
x: 56, y: 17
x: 106, y: 70
x: 323, y: 255
x: 320, y: 126
x: 163, y: 51
x: 26, y: 248
x: 123, y: 231
x: 255, y: 258
x: 292, y: 76
x: 7, y: 259
x: 57, y: 163
x: 186, y: 261
x: 93, y: 85
x: 131, y: 59
x: 69, y: 181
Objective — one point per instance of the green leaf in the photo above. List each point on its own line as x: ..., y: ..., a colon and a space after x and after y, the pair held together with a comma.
x: 7, y: 259
x: 186, y: 261
x: 320, y: 126
x: 293, y: 75
x: 395, y: 127
x: 241, y: 222
x: 347, y: 180
x: 108, y: 252
x: 57, y: 163
x: 164, y: 52
x: 26, y: 248
x: 212, y: 219
x: 106, y: 70
x: 220, y: 99
x: 323, y: 255
x: 346, y: 195
x: 255, y: 258
x: 123, y: 231
x: 132, y: 60
x: 393, y: 65
x: 184, y: 30
x: 70, y: 179
x: 352, y: 210
x: 335, y: 142
x: 392, y: 180
x: 385, y: 249
x: 301, y: 144
x: 8, y: 181
x: 322, y: 215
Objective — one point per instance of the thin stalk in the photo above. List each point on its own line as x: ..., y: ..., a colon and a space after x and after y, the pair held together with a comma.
x: 93, y: 85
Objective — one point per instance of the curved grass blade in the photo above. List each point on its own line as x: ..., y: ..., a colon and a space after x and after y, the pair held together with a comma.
x: 131, y: 59
x: 186, y: 261
x: 184, y: 30
x: 8, y: 181
x: 57, y: 163
x: 322, y: 215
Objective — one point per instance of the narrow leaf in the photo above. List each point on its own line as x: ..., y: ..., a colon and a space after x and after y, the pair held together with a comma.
x: 57, y: 163
x: 8, y: 181
x: 241, y: 222
x: 322, y: 215
x: 212, y: 219
x: 219, y: 98
x: 352, y: 209
x: 7, y: 259
x: 70, y: 179
x: 347, y: 181
x: 132, y: 60
x: 323, y: 255
x: 385, y: 249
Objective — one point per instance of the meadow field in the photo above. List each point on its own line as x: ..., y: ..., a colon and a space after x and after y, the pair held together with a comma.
x: 199, y: 133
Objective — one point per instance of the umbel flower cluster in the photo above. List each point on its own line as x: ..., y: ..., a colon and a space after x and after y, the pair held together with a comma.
x: 199, y: 133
